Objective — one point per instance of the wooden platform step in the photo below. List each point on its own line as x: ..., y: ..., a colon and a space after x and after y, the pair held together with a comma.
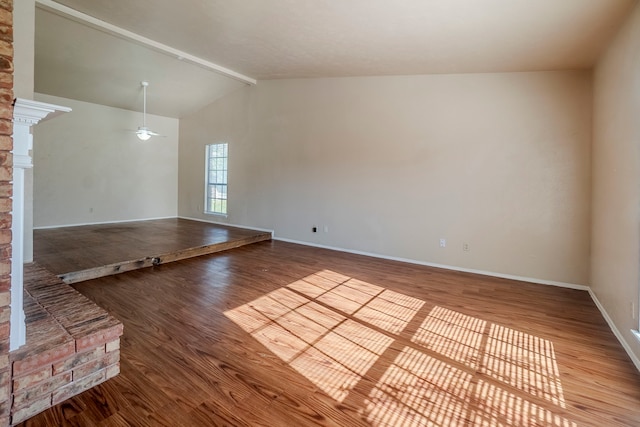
x: 153, y: 260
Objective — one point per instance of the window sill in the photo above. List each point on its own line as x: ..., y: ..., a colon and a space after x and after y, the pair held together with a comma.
x: 221, y: 215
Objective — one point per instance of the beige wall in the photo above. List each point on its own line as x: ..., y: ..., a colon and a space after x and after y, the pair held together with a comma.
x: 615, y: 257
x: 24, y: 12
x: 89, y: 167
x: 392, y: 164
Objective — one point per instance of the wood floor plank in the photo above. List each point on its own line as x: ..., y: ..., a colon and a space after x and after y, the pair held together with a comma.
x: 157, y: 259
x: 90, y: 251
x: 273, y: 334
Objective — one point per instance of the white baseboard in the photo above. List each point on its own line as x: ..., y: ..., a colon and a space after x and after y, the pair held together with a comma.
x: 266, y: 230
x: 101, y: 223
x: 615, y: 330
x: 604, y: 313
x: 444, y: 266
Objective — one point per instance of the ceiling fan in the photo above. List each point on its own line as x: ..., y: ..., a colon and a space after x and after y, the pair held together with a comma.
x: 143, y: 132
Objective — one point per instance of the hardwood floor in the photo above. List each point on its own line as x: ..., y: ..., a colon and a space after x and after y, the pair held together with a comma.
x: 87, y: 252
x: 276, y: 334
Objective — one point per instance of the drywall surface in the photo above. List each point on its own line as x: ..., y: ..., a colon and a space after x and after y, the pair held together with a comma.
x: 89, y: 166
x: 615, y: 265
x: 24, y: 12
x: 390, y: 165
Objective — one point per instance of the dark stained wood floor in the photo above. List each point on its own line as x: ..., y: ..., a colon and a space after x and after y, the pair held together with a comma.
x: 91, y: 251
x: 277, y: 334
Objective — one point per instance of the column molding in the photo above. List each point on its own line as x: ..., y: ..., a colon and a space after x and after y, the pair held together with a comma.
x: 26, y: 113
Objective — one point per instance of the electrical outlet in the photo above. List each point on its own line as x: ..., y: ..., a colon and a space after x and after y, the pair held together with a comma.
x: 465, y: 247
x: 443, y: 243
x: 314, y: 229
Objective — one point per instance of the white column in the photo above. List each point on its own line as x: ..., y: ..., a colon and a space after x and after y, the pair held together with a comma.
x: 26, y: 114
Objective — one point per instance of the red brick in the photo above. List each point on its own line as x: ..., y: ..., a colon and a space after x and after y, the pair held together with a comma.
x: 6, y: 205
x: 5, y: 298
x: 6, y: 16
x: 101, y: 337
x: 77, y: 387
x: 5, y: 267
x: 5, y: 409
x: 5, y: 280
x: 6, y: 94
x: 31, y: 379
x: 112, y: 370
x: 5, y: 235
x: 46, y: 388
x: 112, y: 358
x: 113, y: 345
x: 4, y: 362
x: 5, y: 329
x: 77, y: 360
x: 6, y: 48
x: 6, y: 157
x: 48, y: 357
x: 6, y: 126
x: 6, y: 173
x: 96, y: 365
x: 6, y: 79
x: 6, y: 64
x: 5, y: 385
x: 32, y: 409
x: 6, y: 189
x: 6, y: 143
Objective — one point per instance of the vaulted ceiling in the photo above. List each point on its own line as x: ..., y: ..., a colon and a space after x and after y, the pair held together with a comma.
x: 306, y: 38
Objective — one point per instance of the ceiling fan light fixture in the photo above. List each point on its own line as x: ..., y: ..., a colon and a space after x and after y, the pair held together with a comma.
x: 143, y: 134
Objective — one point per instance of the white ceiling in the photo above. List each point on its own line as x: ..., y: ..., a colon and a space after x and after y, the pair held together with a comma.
x: 310, y: 38
x: 78, y: 62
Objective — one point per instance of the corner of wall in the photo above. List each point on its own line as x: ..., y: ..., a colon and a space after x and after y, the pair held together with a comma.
x: 615, y: 197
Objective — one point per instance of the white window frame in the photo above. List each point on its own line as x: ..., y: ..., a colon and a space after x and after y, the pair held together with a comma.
x: 216, y: 177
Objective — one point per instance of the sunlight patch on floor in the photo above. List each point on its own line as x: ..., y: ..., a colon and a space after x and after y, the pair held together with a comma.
x: 523, y: 361
x: 418, y: 390
x: 447, y: 368
x: 453, y: 335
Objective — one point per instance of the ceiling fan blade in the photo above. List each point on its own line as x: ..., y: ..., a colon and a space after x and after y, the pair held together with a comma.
x: 145, y: 133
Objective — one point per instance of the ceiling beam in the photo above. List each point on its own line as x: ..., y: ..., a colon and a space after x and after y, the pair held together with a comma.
x: 98, y: 24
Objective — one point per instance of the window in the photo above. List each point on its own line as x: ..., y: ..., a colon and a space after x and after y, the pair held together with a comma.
x: 216, y: 191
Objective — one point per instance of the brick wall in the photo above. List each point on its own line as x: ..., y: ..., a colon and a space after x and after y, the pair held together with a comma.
x: 6, y: 170
x: 72, y: 345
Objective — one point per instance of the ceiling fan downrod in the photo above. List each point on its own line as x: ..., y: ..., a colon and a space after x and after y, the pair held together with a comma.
x: 143, y: 132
